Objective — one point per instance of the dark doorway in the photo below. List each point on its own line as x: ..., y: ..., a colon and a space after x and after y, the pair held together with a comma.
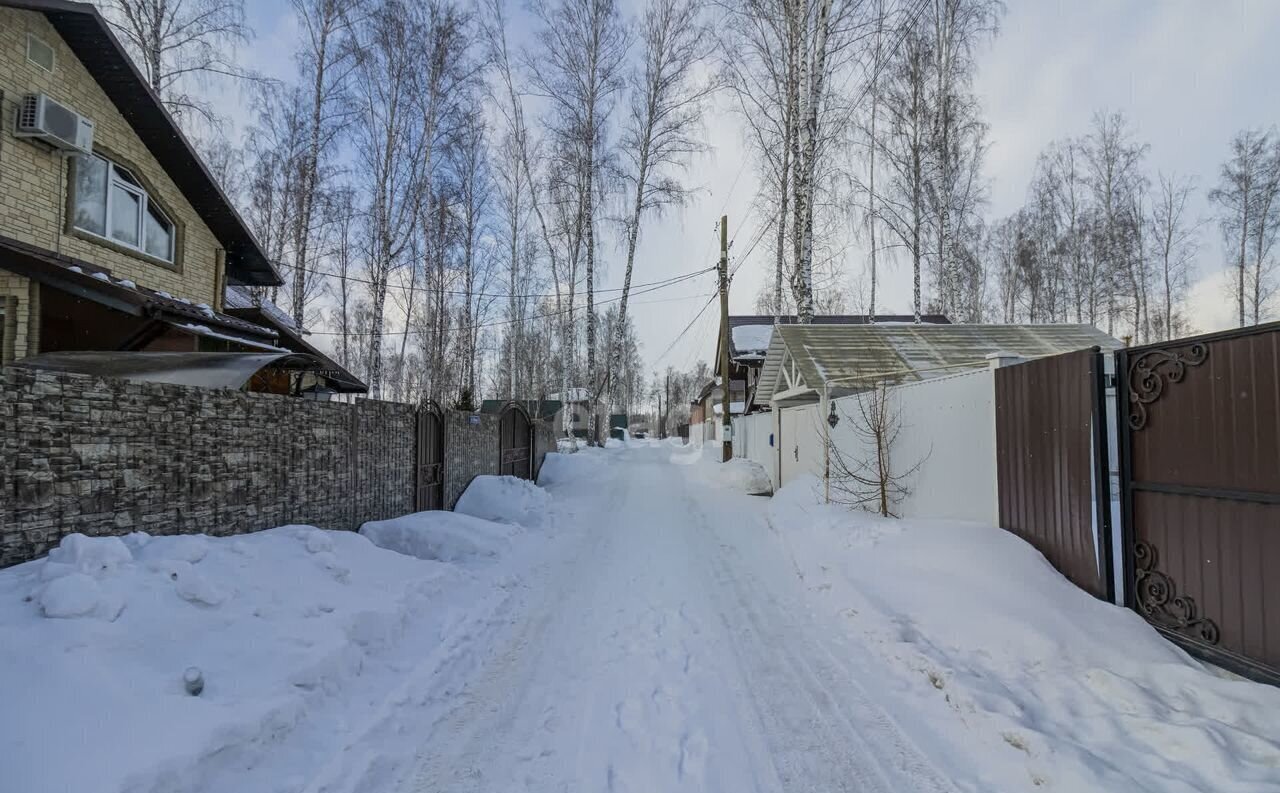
x: 515, y: 441
x: 429, y: 481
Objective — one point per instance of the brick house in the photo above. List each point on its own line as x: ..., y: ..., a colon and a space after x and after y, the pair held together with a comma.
x: 119, y: 239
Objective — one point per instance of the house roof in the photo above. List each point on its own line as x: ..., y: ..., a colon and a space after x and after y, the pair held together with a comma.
x: 577, y: 394
x: 89, y: 36
x: 240, y: 303
x: 198, y: 369
x: 802, y: 358
x: 91, y: 282
x: 749, y: 334
x: 537, y: 408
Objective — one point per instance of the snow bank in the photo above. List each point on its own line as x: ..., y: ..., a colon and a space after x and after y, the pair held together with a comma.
x: 505, y: 499
x: 568, y: 470
x: 97, y: 638
x: 442, y: 536
x: 1001, y: 655
x: 740, y: 474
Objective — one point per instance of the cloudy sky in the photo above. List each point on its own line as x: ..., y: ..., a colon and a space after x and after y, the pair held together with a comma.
x: 1187, y: 73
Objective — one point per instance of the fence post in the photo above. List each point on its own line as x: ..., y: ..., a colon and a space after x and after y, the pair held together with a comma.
x: 1102, y: 470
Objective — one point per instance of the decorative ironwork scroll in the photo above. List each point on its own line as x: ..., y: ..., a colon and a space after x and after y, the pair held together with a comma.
x: 1160, y: 603
x: 1148, y: 373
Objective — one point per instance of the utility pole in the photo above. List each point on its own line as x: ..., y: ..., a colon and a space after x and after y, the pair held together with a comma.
x: 727, y: 445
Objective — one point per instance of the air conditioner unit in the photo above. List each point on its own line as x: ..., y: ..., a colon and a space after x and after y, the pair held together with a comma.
x: 58, y: 125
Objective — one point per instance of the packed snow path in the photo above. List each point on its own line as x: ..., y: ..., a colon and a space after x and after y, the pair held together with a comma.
x: 666, y: 653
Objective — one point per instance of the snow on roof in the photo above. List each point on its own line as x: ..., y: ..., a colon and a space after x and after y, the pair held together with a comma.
x: 752, y: 338
x: 735, y: 408
x: 577, y: 394
x: 240, y: 297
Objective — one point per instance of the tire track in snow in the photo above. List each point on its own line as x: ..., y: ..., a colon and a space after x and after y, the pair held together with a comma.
x: 880, y: 757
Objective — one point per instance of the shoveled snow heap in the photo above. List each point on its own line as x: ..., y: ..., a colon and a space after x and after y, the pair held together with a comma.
x: 744, y: 476
x: 442, y: 536
x: 999, y: 656
x: 97, y: 637
x: 505, y: 499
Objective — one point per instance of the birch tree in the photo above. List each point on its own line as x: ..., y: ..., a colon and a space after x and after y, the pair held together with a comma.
x: 760, y: 66
x: 390, y: 158
x: 666, y: 109
x: 326, y: 61
x: 178, y: 42
x: 1237, y: 198
x: 1175, y: 235
x: 1116, y: 179
x: 579, y: 73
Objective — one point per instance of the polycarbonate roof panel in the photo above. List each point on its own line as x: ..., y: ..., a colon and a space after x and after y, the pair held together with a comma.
x: 854, y: 356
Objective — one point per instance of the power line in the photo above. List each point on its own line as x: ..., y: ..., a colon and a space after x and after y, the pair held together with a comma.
x: 458, y: 293
x: 501, y: 323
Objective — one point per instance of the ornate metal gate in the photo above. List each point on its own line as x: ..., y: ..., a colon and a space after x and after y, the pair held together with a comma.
x: 1200, y: 491
x: 429, y: 478
x: 515, y: 442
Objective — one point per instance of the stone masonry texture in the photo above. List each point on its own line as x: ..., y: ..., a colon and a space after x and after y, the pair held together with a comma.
x: 108, y: 457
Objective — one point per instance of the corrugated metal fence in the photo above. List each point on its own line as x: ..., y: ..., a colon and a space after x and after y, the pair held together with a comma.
x: 1045, y: 418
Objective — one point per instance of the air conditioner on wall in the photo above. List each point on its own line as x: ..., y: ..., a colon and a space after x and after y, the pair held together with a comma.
x: 42, y: 118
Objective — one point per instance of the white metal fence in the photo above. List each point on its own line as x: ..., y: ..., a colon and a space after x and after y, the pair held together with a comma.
x: 947, y: 428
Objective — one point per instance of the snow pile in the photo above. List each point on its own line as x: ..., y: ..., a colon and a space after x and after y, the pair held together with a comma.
x: 740, y: 474
x: 505, y: 499
x: 568, y: 470
x: 442, y: 536
x: 98, y: 636
x: 798, y: 509
x: 614, y: 443
x: 997, y: 655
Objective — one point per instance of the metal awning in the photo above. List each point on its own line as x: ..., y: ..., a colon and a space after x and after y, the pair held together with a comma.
x: 804, y: 359
x: 199, y: 369
x: 94, y: 283
x: 241, y: 304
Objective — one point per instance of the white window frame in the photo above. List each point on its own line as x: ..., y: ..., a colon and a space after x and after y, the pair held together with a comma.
x: 130, y: 186
x: 53, y: 55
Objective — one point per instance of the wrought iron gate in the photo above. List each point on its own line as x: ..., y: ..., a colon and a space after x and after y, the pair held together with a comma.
x: 515, y: 442
x: 1200, y: 492
x: 429, y: 458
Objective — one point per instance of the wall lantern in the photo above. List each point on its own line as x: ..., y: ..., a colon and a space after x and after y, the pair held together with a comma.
x: 832, y: 418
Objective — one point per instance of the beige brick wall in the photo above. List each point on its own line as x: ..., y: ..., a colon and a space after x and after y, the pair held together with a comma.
x: 18, y: 288
x: 33, y: 179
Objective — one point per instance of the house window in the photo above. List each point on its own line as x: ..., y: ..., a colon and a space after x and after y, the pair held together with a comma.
x: 110, y: 202
x: 39, y: 52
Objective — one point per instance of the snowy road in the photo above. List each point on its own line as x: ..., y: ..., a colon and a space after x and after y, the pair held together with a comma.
x: 668, y: 649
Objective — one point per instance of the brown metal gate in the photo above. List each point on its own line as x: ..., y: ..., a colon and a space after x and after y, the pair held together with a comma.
x: 1200, y: 492
x: 1049, y: 419
x: 429, y: 453
x: 515, y: 441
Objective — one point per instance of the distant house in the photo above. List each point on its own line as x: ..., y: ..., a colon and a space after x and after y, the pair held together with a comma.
x: 538, y: 409
x: 579, y: 406
x: 750, y: 336
x: 709, y: 407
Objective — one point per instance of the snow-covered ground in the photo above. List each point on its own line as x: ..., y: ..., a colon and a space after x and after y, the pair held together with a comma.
x: 638, y: 623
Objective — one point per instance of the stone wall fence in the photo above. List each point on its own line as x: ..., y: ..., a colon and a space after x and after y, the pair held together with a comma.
x: 103, y: 456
